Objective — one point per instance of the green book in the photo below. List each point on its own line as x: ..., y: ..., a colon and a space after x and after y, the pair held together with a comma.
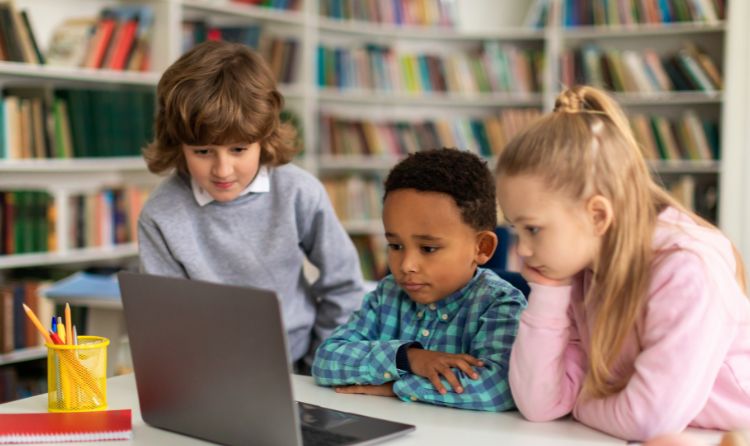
x: 103, y: 137
x: 81, y: 121
x: 479, y: 74
x: 32, y: 38
x: 660, y: 144
x: 19, y: 221
x: 480, y: 135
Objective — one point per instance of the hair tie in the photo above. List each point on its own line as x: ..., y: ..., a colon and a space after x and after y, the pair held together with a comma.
x: 571, y: 101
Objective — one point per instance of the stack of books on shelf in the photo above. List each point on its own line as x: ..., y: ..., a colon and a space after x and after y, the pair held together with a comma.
x: 119, y: 39
x: 355, y: 198
x: 485, y: 136
x: 289, y: 5
x: 28, y: 220
x: 17, y: 331
x: 74, y: 123
x: 105, y: 218
x: 494, y: 67
x: 280, y: 52
x: 687, y: 138
x: 630, y: 12
x: 690, y: 69
x: 433, y: 13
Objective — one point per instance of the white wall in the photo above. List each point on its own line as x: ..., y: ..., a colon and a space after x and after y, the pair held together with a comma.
x: 734, y: 203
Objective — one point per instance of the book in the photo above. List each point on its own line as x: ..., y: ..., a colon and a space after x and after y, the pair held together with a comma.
x: 32, y: 38
x: 100, y: 41
x: 69, y: 41
x: 84, y: 285
x: 59, y: 427
x: 13, y: 46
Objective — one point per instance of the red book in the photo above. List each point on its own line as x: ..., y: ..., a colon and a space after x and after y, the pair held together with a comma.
x: 122, y: 45
x: 61, y: 427
x: 99, y: 43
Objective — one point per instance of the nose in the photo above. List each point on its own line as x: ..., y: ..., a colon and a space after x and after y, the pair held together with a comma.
x: 222, y: 165
x: 409, y: 262
x: 523, y: 248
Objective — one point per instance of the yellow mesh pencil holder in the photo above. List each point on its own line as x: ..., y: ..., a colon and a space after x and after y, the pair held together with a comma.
x: 77, y: 375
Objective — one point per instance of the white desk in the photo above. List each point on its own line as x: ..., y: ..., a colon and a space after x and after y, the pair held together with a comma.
x: 435, y: 425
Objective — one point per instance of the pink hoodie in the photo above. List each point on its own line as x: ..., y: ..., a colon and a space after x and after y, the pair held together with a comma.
x: 689, y: 353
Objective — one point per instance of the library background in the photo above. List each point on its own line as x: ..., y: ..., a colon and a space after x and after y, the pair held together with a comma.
x: 365, y: 82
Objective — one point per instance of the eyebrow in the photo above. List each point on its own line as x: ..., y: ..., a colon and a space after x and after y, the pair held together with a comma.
x: 520, y: 219
x: 422, y: 237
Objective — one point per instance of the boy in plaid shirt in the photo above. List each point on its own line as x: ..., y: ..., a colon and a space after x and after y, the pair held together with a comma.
x: 438, y: 329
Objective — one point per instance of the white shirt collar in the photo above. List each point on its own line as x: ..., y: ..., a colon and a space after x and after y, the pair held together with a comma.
x: 261, y: 183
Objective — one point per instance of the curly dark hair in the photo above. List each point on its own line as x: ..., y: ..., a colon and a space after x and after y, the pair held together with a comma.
x: 460, y: 174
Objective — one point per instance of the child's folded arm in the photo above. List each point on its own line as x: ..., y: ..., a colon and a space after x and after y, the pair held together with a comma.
x: 546, y: 363
x: 353, y: 354
x: 490, y: 392
x: 341, y: 362
x: 492, y: 342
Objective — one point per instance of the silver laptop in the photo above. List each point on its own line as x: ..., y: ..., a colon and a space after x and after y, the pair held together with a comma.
x: 210, y: 361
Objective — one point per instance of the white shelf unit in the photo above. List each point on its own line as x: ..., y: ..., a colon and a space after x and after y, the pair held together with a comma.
x: 62, y: 178
x: 708, y: 105
x: 553, y: 39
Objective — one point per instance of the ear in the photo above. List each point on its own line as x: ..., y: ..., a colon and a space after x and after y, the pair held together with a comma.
x: 599, y: 210
x: 486, y: 245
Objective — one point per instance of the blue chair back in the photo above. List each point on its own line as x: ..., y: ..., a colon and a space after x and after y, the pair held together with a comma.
x: 499, y: 261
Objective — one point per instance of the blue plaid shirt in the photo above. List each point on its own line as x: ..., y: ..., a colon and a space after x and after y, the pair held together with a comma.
x: 481, y: 319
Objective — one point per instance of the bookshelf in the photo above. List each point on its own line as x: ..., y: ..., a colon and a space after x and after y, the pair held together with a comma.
x: 63, y: 181
x: 554, y: 39
x: 479, y: 26
x: 387, y: 105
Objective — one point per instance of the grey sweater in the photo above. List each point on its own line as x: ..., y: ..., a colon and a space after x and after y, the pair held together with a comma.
x: 259, y: 240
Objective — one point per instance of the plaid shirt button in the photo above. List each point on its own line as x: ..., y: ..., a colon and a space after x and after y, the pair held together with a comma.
x: 420, y: 314
x: 444, y: 317
x: 425, y: 333
x: 413, y: 398
x: 433, y: 306
x: 387, y: 375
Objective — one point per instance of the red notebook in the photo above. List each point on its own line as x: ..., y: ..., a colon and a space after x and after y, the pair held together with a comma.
x: 60, y: 427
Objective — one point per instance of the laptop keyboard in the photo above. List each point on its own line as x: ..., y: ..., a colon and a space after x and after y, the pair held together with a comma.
x: 318, y: 437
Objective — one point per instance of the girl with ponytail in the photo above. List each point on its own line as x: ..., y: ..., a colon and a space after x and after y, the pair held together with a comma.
x: 638, y: 322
